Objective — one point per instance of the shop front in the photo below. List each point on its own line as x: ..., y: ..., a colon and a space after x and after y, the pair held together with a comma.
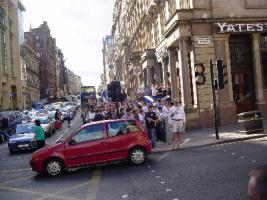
x: 247, y: 54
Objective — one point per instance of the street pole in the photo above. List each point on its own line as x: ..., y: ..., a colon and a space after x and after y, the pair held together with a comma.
x: 214, y: 100
x: 117, y: 106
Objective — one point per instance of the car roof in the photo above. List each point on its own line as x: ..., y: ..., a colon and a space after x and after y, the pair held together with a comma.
x: 107, y: 121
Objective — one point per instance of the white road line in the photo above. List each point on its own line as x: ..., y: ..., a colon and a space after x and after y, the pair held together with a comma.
x: 16, y: 170
x: 59, y: 138
x: 163, y: 156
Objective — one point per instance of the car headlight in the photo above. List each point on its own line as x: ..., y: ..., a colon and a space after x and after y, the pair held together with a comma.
x: 12, y: 141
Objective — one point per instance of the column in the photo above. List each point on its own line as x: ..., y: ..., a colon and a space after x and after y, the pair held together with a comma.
x: 229, y: 69
x: 174, y: 79
x: 184, y: 72
x: 257, y: 65
x: 165, y: 71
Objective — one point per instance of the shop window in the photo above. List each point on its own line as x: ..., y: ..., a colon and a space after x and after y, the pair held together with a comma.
x: 263, y: 49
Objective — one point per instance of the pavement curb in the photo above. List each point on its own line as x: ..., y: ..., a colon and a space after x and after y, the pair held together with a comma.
x: 214, y: 143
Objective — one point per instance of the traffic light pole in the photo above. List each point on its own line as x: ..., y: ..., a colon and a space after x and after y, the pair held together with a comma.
x: 214, y: 101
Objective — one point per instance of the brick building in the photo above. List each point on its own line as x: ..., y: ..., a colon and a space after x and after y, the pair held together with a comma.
x: 44, y: 44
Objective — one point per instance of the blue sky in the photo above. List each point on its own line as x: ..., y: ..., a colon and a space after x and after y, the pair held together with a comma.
x: 78, y: 27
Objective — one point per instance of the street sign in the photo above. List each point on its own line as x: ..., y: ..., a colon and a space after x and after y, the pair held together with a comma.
x: 203, y: 40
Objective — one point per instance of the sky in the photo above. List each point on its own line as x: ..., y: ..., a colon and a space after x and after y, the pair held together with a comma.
x: 79, y: 27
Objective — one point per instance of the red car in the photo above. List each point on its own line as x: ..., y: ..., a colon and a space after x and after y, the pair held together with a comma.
x: 95, y: 143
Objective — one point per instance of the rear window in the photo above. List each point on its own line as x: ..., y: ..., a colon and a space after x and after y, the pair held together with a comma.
x: 121, y: 128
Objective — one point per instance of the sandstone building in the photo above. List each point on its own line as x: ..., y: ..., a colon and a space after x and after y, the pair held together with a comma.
x: 161, y: 41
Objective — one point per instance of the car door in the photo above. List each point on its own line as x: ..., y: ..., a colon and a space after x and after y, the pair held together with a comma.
x: 86, y: 147
x: 121, y: 137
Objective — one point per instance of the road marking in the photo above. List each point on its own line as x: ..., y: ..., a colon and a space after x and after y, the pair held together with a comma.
x: 35, y: 193
x: 124, y: 196
x: 63, y: 191
x: 16, y: 170
x: 15, y: 180
x: 163, y: 156
x: 93, y: 185
x: 59, y: 138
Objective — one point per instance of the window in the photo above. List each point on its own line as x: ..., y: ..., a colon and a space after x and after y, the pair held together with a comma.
x: 37, y: 37
x: 263, y: 50
x: 3, y: 52
x: 121, y: 128
x: 89, y: 134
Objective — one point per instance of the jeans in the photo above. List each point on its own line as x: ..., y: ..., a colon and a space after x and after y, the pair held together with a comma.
x: 152, y: 136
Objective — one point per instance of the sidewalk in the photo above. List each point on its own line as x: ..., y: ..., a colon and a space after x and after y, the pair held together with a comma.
x: 204, y: 137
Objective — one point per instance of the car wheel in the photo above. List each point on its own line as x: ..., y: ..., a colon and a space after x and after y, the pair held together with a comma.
x: 137, y: 156
x: 54, y: 167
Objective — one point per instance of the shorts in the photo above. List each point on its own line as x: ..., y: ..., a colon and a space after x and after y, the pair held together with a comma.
x: 177, y: 126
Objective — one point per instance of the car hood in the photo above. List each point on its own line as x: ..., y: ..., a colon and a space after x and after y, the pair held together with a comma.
x: 49, y: 148
x: 22, y: 137
x: 44, y: 126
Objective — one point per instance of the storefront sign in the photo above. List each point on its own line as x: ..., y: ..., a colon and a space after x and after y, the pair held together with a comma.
x: 241, y: 28
x: 203, y: 40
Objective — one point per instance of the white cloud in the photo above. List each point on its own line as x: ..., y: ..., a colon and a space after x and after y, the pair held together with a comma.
x: 78, y: 27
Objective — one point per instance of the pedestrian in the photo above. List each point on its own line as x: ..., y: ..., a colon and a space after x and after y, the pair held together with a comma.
x: 57, y: 119
x: 257, y: 186
x: 68, y: 118
x: 177, y: 119
x: 151, y: 122
x: 98, y: 116
x: 136, y: 114
x: 128, y: 115
x: 166, y: 125
x: 39, y: 134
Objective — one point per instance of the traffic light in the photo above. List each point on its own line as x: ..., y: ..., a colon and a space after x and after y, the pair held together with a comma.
x: 111, y: 91
x: 114, y: 91
x: 199, y: 74
x: 221, y: 75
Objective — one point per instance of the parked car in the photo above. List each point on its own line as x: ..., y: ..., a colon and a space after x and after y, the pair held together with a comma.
x: 48, y: 125
x: 23, y: 138
x: 95, y: 143
x: 13, y: 118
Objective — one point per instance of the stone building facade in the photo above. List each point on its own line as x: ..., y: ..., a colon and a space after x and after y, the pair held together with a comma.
x: 108, y: 51
x: 10, y: 67
x: 44, y: 44
x: 166, y: 39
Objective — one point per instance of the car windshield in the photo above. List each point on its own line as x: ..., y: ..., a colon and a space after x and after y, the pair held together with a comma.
x: 44, y: 120
x: 25, y: 129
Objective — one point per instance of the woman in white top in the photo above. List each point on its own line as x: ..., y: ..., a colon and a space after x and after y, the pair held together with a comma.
x: 177, y: 119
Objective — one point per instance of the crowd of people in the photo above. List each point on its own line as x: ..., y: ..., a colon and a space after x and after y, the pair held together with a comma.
x: 164, y: 120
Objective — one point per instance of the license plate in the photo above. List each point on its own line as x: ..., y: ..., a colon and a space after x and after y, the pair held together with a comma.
x: 23, y: 145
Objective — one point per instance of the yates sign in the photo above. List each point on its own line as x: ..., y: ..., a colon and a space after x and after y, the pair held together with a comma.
x: 239, y: 28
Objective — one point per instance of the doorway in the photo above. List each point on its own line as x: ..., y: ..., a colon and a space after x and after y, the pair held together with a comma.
x: 242, y: 72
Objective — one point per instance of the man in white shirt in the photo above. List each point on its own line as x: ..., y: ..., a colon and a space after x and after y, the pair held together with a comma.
x: 177, y: 118
x: 165, y: 116
x: 154, y: 90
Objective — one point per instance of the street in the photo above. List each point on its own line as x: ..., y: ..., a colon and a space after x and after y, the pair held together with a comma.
x: 213, y: 172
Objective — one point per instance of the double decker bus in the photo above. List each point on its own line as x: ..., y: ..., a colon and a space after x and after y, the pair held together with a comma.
x: 88, y: 97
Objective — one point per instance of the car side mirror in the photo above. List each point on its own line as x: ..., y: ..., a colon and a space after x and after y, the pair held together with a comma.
x: 72, y: 142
